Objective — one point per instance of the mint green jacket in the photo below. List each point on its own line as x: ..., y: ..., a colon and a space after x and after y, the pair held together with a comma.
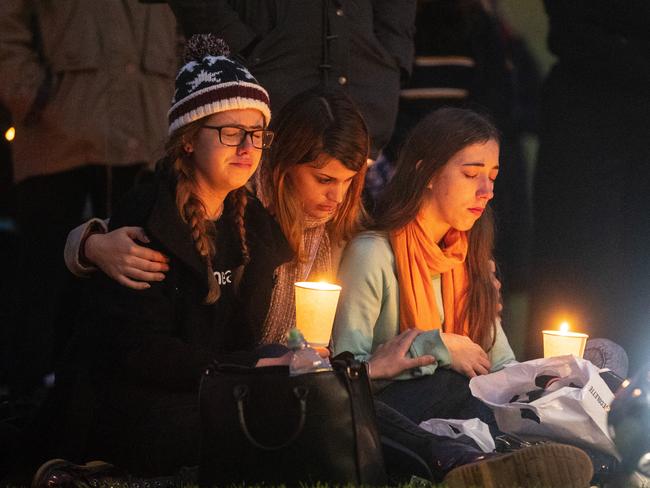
x: 368, y: 309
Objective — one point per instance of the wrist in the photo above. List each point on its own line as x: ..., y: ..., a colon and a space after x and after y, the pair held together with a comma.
x: 86, y: 256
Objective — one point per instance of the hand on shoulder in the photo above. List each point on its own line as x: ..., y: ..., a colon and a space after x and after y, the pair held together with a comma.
x: 119, y: 256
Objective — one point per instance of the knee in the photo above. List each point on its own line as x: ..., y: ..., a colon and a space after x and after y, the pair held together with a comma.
x: 605, y: 353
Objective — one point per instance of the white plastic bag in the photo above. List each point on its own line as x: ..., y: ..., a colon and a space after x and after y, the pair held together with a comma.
x: 473, y: 428
x: 574, y: 415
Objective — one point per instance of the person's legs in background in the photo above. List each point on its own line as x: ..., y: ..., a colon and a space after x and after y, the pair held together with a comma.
x: 592, y: 229
x: 46, y: 297
x: 47, y: 207
x: 605, y: 353
x: 104, y: 187
x: 110, y: 183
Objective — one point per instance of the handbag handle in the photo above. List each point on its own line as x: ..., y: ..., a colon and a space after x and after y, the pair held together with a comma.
x: 240, y: 392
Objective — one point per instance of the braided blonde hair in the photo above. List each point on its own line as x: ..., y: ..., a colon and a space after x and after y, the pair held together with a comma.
x: 193, y: 211
x: 240, y: 198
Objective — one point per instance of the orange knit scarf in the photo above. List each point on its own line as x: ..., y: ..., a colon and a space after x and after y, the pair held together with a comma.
x: 418, y: 258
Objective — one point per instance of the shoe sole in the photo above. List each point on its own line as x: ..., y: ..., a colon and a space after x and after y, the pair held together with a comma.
x: 38, y: 480
x: 541, y: 466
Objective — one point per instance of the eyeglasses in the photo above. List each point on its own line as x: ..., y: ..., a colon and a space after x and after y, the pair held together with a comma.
x: 234, y: 136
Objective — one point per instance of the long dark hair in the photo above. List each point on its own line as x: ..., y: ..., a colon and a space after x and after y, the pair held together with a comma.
x: 313, y: 123
x: 429, y: 147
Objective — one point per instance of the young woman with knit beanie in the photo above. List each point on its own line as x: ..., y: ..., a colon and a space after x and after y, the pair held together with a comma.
x: 143, y: 351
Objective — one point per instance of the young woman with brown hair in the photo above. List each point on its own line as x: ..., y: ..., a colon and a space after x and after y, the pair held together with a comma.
x: 311, y: 181
x: 418, y: 298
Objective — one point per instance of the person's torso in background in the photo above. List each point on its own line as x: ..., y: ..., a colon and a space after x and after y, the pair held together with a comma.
x: 305, y: 43
x: 112, y: 66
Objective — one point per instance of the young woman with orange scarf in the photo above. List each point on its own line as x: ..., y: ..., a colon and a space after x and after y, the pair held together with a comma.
x: 418, y: 299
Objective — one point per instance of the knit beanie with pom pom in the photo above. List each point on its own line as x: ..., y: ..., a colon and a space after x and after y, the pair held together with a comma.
x: 210, y: 82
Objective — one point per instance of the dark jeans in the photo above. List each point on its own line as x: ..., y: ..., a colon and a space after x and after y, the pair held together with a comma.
x: 43, y: 302
x: 444, y: 394
x: 410, y: 450
x: 402, y: 405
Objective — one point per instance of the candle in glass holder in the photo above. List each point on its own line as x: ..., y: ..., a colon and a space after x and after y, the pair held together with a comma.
x: 562, y: 342
x: 315, y: 309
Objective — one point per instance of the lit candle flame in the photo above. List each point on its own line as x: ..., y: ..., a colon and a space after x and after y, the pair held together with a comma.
x: 564, y: 326
x: 10, y: 134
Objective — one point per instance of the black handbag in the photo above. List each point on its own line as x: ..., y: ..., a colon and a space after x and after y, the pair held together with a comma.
x: 260, y: 425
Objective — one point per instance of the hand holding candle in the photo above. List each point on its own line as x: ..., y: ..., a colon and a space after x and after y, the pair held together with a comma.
x: 562, y: 342
x: 315, y: 310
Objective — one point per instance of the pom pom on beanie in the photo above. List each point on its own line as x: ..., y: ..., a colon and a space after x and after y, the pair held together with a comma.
x: 211, y: 82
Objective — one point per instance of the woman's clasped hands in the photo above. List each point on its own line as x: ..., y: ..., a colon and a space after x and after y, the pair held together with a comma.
x: 467, y: 357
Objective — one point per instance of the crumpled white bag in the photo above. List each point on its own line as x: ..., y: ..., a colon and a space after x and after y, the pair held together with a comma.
x: 574, y: 415
x: 474, y: 428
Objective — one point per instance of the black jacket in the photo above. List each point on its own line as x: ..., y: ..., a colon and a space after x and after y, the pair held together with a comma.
x: 131, y: 346
x: 163, y: 338
x: 290, y: 46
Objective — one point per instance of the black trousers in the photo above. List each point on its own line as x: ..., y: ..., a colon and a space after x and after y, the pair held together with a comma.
x: 42, y: 300
x: 157, y: 443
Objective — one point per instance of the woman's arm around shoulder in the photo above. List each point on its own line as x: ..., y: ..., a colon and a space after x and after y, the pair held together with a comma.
x: 122, y: 253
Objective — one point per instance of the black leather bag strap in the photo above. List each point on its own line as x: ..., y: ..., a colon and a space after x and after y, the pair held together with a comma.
x: 370, y: 461
x: 240, y: 392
